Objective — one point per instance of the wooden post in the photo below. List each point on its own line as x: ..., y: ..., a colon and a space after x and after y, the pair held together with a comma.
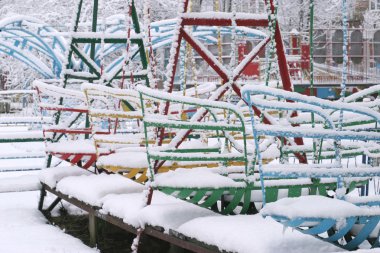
x: 92, y: 228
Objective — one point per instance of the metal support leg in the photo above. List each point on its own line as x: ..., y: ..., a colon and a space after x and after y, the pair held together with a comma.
x: 52, y: 205
x: 47, y: 211
x: 42, y: 198
x: 252, y: 209
x: 92, y: 228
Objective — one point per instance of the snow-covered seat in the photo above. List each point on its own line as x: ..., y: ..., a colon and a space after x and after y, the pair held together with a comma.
x: 135, y: 139
x: 132, y: 164
x: 119, y: 111
x: 329, y: 219
x: 316, y: 215
x: 74, y: 147
x: 352, y: 120
x: 348, y: 148
x: 124, y: 159
x: 201, y: 178
x: 67, y: 136
x: 202, y: 186
x: 310, y: 207
x: 74, y: 151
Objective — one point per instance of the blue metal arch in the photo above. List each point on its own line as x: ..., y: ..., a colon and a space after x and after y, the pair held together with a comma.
x: 20, y: 40
x: 21, y: 37
x: 29, y: 60
x: 41, y: 46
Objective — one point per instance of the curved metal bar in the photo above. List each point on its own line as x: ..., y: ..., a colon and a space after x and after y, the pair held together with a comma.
x: 322, y: 227
x: 18, y: 30
x: 53, y: 45
x: 364, y: 233
x: 39, y: 45
x: 29, y: 60
x: 342, y: 231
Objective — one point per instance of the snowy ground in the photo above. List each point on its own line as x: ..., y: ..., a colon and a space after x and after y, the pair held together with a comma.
x: 24, y: 229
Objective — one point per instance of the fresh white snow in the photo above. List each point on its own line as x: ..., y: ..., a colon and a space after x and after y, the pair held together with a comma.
x: 24, y: 229
x: 251, y: 233
x: 51, y: 176
x: 91, y: 189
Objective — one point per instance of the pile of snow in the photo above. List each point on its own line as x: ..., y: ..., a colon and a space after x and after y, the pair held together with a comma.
x: 51, y: 176
x: 91, y: 189
x: 165, y: 211
x: 314, y: 207
x: 195, y: 178
x: 251, y: 233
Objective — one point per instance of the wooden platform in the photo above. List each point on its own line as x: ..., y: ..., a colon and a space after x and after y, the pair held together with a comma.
x: 94, y: 212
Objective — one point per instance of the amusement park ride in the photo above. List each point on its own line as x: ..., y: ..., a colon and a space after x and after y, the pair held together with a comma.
x: 235, y: 140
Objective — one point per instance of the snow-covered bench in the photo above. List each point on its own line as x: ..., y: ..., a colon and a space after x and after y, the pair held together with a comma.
x: 203, y: 185
x: 330, y: 219
x: 365, y: 98
x: 118, y: 110
x: 351, y: 121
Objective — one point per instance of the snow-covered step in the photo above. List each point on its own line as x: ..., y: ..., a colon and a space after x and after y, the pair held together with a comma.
x: 23, y: 120
x: 26, y: 154
x: 20, y: 183
x: 122, y: 198
x: 24, y: 167
x: 30, y: 136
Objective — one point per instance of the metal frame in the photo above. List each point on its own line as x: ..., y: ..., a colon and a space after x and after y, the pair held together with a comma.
x: 184, y: 20
x: 319, y: 171
x: 93, y: 39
